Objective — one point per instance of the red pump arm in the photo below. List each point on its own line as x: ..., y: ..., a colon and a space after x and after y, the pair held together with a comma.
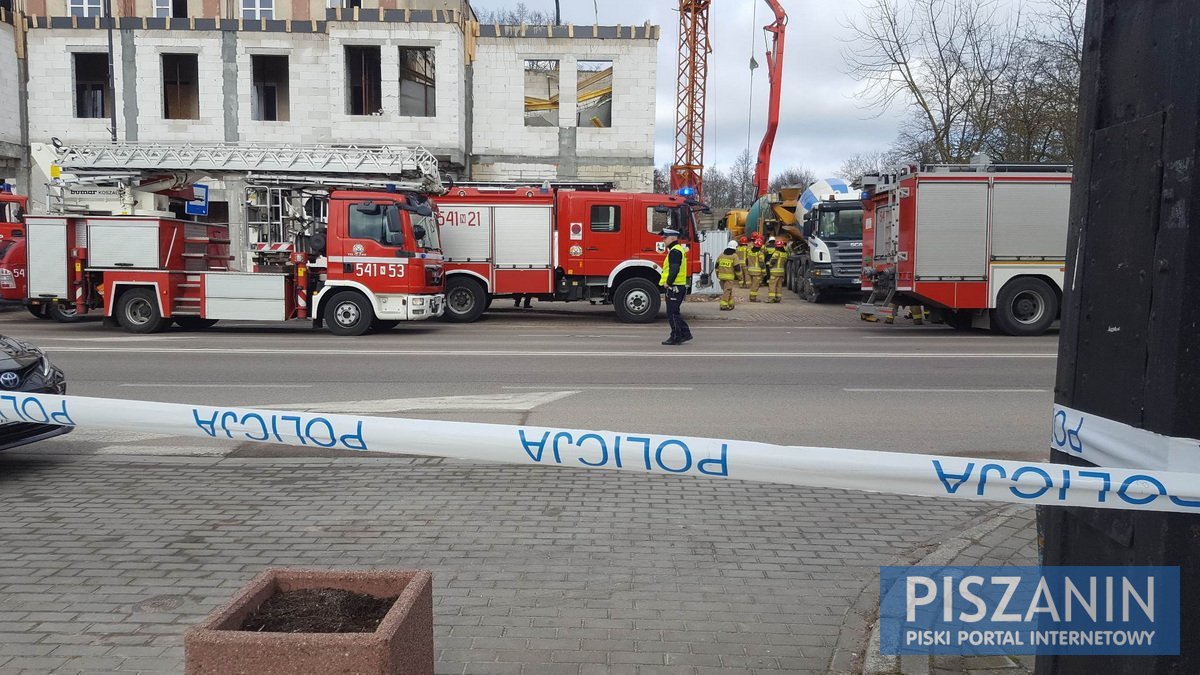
x: 762, y: 168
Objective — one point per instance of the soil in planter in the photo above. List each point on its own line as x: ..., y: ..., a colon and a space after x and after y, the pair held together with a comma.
x: 319, y: 610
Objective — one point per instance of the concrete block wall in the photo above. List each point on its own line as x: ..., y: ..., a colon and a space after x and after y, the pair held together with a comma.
x: 502, y: 144
x: 10, y: 112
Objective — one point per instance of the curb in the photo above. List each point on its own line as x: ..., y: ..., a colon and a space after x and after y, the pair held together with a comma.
x: 874, y: 663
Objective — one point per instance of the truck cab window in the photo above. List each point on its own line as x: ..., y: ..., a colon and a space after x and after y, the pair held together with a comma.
x: 428, y: 226
x: 841, y: 224
x: 606, y: 218
x: 657, y: 220
x: 377, y: 222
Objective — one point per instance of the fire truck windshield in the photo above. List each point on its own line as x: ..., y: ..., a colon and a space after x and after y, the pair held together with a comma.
x: 428, y: 226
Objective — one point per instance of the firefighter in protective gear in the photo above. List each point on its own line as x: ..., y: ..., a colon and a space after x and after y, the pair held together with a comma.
x: 778, y: 269
x: 754, y: 268
x: 739, y: 253
x: 675, y: 279
x: 728, y: 271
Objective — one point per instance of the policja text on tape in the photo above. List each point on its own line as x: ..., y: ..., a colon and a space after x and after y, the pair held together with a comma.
x: 867, y: 470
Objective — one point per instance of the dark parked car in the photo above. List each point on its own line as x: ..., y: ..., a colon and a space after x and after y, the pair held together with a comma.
x: 24, y: 367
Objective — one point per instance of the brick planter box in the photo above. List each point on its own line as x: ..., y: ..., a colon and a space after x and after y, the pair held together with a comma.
x: 403, y: 643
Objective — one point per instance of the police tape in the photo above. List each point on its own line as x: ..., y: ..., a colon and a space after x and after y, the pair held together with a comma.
x: 863, y: 470
x: 1106, y: 442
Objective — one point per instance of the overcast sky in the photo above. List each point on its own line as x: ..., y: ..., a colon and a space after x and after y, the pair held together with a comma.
x: 821, y: 122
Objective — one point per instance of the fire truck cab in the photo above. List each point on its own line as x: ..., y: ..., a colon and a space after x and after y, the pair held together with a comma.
x: 560, y: 243
x: 12, y: 246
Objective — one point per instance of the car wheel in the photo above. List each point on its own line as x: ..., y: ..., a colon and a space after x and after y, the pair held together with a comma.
x: 465, y: 299
x: 137, y: 312
x: 348, y: 314
x: 637, y: 301
x: 1026, y: 306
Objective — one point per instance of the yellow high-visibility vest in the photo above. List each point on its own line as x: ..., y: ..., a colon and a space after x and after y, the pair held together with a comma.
x: 681, y: 276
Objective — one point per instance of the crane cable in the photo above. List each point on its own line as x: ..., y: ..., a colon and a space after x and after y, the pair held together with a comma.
x: 750, y: 97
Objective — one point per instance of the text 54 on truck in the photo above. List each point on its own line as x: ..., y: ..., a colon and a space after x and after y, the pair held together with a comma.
x: 560, y: 242
x: 376, y: 263
x: 979, y: 244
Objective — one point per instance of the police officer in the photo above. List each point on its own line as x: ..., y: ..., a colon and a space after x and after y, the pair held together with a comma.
x: 729, y: 269
x: 675, y: 280
x: 754, y: 268
x: 740, y: 254
x: 778, y: 268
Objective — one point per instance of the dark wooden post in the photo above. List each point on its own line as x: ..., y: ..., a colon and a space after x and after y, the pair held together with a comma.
x: 1130, y: 344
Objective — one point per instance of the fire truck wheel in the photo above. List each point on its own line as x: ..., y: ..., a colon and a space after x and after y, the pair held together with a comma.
x: 637, y: 301
x: 1025, y: 306
x: 349, y: 313
x: 465, y: 299
x: 137, y: 312
x: 62, y: 313
x: 38, y: 310
x: 194, y: 322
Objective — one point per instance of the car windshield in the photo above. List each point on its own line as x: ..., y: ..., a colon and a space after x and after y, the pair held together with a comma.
x: 841, y: 224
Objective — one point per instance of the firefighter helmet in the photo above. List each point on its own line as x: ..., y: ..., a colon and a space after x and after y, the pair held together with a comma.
x: 778, y: 243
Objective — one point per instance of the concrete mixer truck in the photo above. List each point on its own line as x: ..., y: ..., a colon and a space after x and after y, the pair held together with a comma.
x: 823, y: 225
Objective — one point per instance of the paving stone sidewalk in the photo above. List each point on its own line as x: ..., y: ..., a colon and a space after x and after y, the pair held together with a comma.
x: 104, y: 562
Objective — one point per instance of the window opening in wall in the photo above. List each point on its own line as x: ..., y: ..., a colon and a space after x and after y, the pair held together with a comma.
x: 541, y: 93
x: 606, y: 218
x: 181, y: 87
x: 344, y: 4
x: 92, y: 96
x: 362, y: 81
x: 253, y: 10
x: 417, y: 82
x: 170, y: 9
x: 593, y: 89
x: 270, y: 102
x: 83, y: 7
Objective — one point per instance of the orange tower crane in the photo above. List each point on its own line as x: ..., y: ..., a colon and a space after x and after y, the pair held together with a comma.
x: 688, y: 169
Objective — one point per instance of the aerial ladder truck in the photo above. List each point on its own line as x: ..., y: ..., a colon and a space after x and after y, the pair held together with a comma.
x: 110, y: 243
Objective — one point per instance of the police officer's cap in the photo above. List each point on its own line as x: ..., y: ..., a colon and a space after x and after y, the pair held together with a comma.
x: 668, y: 232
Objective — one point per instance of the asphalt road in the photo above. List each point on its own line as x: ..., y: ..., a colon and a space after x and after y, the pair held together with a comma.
x: 804, y: 375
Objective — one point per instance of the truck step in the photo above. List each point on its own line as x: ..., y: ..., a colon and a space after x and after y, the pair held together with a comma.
x: 184, y: 313
x: 179, y: 300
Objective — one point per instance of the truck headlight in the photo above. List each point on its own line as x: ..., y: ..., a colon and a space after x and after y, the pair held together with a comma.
x: 418, y: 302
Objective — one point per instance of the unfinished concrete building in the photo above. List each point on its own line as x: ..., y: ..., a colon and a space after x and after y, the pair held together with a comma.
x: 491, y: 102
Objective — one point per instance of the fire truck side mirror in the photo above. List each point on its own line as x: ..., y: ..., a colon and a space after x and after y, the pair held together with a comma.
x: 424, y: 210
x: 662, y: 209
x: 419, y: 231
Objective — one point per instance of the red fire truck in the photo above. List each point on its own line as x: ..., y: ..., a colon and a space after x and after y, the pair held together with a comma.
x: 377, y: 264
x: 980, y: 245
x: 561, y: 242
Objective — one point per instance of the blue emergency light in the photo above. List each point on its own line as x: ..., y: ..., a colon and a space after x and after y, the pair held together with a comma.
x: 686, y: 192
x: 6, y: 188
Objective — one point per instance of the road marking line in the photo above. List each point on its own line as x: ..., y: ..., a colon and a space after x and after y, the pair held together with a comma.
x: 945, y: 391
x: 216, y: 386
x: 484, y: 402
x: 661, y: 353
x: 606, y: 387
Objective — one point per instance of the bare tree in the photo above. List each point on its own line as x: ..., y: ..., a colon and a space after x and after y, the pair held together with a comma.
x: 515, y: 16
x: 875, y: 161
x: 662, y: 179
x: 944, y: 59
x: 794, y: 177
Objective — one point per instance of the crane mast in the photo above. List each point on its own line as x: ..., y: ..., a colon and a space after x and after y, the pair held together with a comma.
x: 694, y: 48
